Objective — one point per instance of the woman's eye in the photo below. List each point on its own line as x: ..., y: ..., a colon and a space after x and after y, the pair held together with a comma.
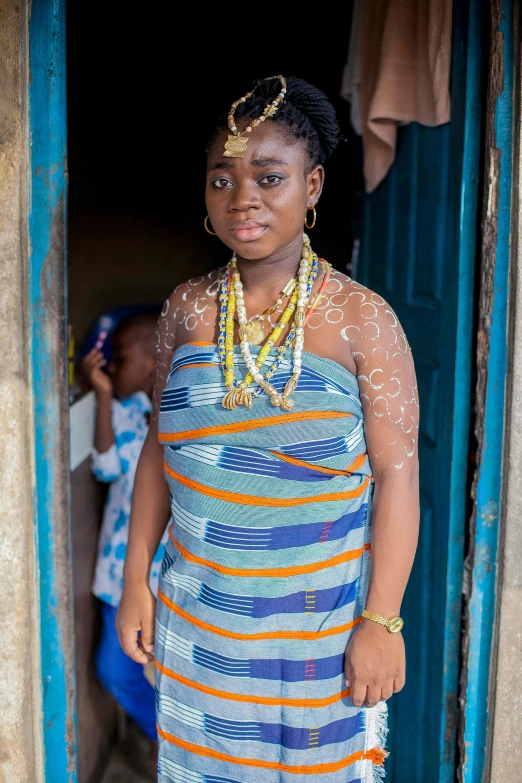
x: 270, y: 179
x: 221, y: 183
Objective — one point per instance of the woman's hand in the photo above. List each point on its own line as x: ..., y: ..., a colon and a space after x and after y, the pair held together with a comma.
x: 135, y: 616
x: 91, y: 366
x: 375, y: 664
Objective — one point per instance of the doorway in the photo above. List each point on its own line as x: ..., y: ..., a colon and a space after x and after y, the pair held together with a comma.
x: 139, y: 96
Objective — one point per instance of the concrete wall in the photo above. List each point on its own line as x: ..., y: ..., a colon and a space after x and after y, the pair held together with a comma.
x: 506, y: 724
x: 20, y: 688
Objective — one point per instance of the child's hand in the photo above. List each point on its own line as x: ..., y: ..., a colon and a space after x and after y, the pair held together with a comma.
x: 92, y: 368
x: 135, y: 616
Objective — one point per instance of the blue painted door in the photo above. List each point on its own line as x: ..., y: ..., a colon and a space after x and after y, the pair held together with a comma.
x: 418, y: 251
x: 47, y: 316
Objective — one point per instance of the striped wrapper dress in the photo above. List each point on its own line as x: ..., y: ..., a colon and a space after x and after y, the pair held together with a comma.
x: 264, y: 580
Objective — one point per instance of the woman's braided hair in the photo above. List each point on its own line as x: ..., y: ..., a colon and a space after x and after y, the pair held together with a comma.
x: 306, y: 112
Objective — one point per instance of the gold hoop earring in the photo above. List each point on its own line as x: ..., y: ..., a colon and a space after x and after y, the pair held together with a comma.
x: 207, y: 228
x: 314, y: 219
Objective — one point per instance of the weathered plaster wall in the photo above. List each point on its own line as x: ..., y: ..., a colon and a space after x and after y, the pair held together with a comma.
x: 20, y: 748
x: 506, y: 757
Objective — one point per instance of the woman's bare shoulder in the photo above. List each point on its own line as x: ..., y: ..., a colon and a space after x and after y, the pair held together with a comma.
x: 190, y: 291
x: 349, y: 306
x: 190, y: 311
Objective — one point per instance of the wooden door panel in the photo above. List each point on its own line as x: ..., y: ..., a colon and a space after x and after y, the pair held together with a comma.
x: 418, y: 251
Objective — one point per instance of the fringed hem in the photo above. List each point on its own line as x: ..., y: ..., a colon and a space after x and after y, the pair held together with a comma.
x: 376, y: 734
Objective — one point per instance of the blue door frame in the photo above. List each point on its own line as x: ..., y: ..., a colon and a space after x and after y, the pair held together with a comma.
x: 479, y: 665
x: 47, y: 328
x: 47, y: 324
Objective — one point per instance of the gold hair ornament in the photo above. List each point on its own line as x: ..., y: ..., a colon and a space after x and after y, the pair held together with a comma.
x: 235, y: 146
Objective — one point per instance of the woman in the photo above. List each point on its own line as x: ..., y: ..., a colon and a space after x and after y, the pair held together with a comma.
x: 276, y: 645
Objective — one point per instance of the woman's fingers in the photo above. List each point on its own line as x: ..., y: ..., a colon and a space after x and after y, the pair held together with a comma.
x: 358, y: 693
x: 370, y: 694
x: 398, y: 684
x: 373, y: 695
x: 147, y: 633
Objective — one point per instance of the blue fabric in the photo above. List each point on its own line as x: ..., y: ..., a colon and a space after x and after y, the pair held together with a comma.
x: 264, y: 579
x: 123, y: 678
x: 117, y: 467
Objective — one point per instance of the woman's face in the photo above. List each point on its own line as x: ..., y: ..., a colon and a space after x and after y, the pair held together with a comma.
x: 257, y: 204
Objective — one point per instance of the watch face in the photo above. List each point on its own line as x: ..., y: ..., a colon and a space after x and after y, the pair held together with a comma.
x: 395, y: 624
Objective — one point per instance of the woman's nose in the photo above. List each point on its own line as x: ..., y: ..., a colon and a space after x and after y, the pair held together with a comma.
x: 244, y: 197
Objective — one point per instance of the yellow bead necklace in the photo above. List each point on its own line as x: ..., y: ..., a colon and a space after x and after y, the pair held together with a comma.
x: 232, y: 301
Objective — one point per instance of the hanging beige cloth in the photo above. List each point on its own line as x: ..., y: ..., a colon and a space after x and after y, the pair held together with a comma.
x: 405, y: 72
x: 351, y: 81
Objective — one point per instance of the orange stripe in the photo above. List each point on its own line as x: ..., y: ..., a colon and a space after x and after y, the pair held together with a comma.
x: 357, y: 463
x: 360, y: 460
x: 256, y: 500
x: 309, y: 568
x: 375, y: 754
x: 196, y: 342
x: 250, y: 637
x: 254, y: 424
x: 273, y: 701
x: 200, y: 364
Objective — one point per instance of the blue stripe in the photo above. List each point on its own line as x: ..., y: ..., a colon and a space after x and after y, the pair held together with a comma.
x: 315, y: 449
x: 216, y: 779
x: 296, y: 603
x: 287, y: 736
x: 280, y: 669
x: 287, y: 537
x: 302, y: 738
x: 194, y: 358
x: 250, y: 462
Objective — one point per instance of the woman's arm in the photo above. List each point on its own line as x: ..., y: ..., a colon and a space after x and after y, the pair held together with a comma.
x: 149, y: 514
x: 375, y: 659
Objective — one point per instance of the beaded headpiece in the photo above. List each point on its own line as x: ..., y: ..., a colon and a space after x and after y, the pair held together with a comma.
x: 236, y: 144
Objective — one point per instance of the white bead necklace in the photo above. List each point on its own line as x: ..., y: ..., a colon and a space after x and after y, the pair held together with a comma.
x: 303, y: 297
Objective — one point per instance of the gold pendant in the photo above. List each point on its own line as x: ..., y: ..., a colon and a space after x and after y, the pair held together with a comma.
x: 236, y: 397
x: 254, y: 332
x: 235, y: 146
x: 276, y: 399
x: 287, y: 404
x: 230, y: 400
x: 291, y: 385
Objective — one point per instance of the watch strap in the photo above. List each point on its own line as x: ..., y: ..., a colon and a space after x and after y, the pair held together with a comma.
x: 376, y: 618
x: 392, y: 625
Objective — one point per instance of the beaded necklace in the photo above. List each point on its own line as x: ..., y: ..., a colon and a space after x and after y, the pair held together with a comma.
x: 231, y: 299
x: 254, y: 329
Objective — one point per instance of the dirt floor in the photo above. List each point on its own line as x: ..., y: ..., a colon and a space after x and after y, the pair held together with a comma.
x: 129, y: 762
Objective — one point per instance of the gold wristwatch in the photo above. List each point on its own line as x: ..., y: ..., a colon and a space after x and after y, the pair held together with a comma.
x: 393, y: 625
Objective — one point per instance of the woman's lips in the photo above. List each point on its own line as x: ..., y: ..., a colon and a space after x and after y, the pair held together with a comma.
x: 246, y: 232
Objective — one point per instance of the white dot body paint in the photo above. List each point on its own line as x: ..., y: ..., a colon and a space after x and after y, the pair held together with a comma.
x: 348, y: 314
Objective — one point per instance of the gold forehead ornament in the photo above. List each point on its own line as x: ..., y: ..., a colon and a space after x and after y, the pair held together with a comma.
x: 236, y: 144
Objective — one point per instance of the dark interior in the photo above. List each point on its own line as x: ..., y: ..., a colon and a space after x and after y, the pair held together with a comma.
x: 143, y: 96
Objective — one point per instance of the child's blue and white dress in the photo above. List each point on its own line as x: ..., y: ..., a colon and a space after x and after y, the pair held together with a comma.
x: 117, y: 467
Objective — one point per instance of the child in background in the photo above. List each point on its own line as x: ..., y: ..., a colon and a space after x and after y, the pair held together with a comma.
x: 123, y: 407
